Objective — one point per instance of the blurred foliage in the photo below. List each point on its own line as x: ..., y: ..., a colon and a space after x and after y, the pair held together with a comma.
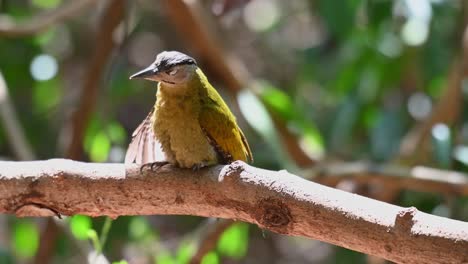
x: 348, y: 78
x: 25, y: 239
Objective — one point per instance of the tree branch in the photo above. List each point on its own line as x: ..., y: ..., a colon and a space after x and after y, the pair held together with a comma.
x: 44, y: 20
x: 14, y: 132
x: 418, y: 178
x: 277, y: 201
x: 111, y: 18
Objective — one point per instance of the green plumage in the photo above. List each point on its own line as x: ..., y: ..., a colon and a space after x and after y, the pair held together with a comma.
x: 192, y: 126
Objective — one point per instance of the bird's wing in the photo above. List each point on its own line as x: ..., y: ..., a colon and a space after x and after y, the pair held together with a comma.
x: 224, y: 134
x: 144, y: 148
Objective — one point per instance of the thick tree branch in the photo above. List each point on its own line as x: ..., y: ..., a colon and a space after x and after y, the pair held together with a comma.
x: 277, y: 201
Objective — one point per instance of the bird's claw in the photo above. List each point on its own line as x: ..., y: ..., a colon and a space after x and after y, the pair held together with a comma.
x: 198, y: 166
x: 154, y: 166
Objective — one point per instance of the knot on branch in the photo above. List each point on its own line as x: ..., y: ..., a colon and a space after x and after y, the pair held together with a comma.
x: 35, y: 210
x: 272, y: 213
x: 232, y: 169
x: 405, y: 219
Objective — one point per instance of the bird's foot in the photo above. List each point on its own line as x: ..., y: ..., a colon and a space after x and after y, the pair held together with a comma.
x: 154, y: 166
x: 198, y: 166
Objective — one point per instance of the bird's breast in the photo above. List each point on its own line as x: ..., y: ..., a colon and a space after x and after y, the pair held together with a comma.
x: 177, y: 128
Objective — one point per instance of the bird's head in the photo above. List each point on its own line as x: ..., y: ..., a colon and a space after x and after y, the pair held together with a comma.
x: 170, y: 67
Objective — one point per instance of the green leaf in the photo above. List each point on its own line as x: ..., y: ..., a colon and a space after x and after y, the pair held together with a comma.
x: 46, y: 36
x: 138, y: 227
x: 210, y: 258
x: 235, y: 241
x: 116, y: 133
x: 46, y: 4
x: 185, y: 252
x: 120, y: 262
x: 80, y: 225
x: 92, y: 235
x: 46, y: 94
x: 100, y: 147
x: 25, y: 238
x: 165, y: 258
x: 279, y: 101
x: 94, y: 127
x: 339, y: 15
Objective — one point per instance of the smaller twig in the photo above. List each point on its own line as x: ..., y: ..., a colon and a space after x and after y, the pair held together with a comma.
x: 104, y: 232
x: 44, y: 20
x: 111, y: 18
x: 208, y: 237
x: 419, y: 178
x: 14, y: 132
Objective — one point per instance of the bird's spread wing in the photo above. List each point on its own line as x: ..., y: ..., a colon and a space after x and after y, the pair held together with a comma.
x: 224, y: 134
x: 144, y: 148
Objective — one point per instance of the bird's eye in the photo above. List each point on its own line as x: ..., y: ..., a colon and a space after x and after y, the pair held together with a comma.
x: 172, y: 72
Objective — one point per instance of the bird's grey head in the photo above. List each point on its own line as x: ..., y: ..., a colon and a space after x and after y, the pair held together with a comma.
x: 170, y: 67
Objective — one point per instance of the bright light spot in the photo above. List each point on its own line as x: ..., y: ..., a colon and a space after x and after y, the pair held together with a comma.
x: 441, y: 132
x: 415, y: 32
x: 43, y: 67
x: 419, y: 9
x: 390, y: 45
x: 260, y: 15
x: 461, y: 154
x: 254, y: 111
x: 419, y: 106
x: 441, y: 210
x: 116, y: 154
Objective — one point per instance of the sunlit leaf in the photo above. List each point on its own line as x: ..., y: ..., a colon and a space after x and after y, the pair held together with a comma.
x: 120, y: 262
x: 279, y: 101
x: 116, y: 132
x: 93, y: 236
x: 94, y: 127
x: 80, y: 225
x: 235, y: 241
x: 47, y: 4
x: 164, y: 258
x: 100, y: 147
x: 185, y: 252
x: 210, y: 258
x: 25, y: 238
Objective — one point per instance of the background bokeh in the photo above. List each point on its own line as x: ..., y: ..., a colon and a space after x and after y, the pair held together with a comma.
x: 327, y: 89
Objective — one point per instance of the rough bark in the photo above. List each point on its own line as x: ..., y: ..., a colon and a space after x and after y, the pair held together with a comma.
x: 277, y: 201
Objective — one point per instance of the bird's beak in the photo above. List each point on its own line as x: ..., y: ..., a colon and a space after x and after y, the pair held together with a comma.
x: 148, y: 73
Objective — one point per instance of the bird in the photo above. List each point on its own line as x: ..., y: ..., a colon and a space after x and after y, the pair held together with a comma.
x: 190, y: 125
